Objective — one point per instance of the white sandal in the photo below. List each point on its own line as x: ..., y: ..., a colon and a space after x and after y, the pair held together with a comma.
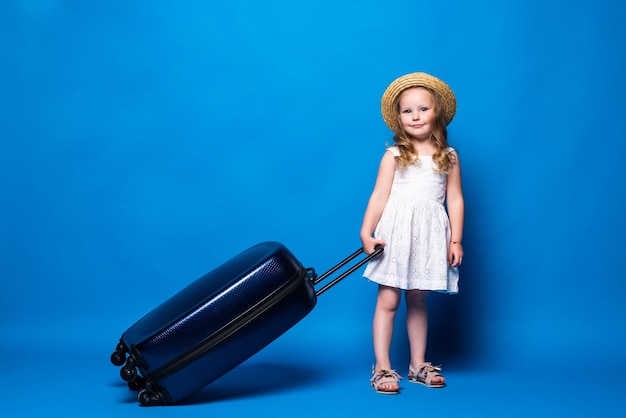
x: 381, y: 377
x: 425, y: 374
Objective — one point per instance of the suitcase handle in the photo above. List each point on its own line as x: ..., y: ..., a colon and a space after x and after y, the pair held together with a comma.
x: 378, y: 249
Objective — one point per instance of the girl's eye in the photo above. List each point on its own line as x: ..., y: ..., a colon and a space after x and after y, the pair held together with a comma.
x: 424, y: 109
x: 406, y: 111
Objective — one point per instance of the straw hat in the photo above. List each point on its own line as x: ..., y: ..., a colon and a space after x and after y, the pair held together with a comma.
x: 438, y: 87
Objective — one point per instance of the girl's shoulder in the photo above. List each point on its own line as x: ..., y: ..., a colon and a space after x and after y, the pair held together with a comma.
x: 394, y: 150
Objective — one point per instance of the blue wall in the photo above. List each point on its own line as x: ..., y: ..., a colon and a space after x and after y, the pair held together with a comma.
x: 145, y: 142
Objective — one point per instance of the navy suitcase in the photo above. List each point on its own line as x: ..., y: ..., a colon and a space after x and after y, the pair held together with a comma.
x: 220, y: 320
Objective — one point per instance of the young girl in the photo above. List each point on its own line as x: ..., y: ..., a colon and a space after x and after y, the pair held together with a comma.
x: 406, y: 214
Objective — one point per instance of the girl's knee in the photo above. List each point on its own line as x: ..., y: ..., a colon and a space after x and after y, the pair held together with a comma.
x: 416, y: 298
x: 388, y: 298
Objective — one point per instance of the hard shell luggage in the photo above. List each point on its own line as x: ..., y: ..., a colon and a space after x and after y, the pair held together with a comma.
x: 220, y: 320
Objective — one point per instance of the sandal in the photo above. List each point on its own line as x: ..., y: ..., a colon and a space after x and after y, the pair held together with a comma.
x: 381, y: 377
x: 425, y: 375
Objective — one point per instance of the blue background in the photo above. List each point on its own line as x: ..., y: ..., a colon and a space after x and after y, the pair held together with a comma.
x: 145, y: 142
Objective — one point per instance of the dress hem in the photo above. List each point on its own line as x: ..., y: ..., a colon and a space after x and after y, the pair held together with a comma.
x: 438, y: 290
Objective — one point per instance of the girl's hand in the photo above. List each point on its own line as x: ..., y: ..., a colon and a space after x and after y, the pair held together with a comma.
x: 455, y: 254
x: 369, y: 244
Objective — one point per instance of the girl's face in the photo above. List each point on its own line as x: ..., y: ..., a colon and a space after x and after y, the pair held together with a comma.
x: 417, y: 112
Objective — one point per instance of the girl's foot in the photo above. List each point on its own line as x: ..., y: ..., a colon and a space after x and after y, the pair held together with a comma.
x: 427, y: 375
x: 385, y: 381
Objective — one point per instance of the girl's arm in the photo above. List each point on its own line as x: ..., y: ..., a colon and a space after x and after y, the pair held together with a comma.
x: 377, y: 202
x: 456, y: 212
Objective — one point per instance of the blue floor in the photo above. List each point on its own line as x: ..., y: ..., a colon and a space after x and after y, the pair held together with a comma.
x: 142, y: 142
x: 55, y: 374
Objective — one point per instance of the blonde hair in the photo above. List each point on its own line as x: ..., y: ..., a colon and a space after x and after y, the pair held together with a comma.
x: 442, y: 157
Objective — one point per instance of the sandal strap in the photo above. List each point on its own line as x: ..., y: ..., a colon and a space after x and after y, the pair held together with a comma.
x: 384, y: 376
x: 426, y: 372
x: 430, y: 368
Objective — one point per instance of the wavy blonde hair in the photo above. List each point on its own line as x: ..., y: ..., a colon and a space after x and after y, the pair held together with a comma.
x: 442, y: 157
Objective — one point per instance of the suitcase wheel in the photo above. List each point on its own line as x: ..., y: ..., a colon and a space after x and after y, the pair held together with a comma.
x: 149, y: 397
x: 138, y: 383
x: 118, y: 357
x: 128, y: 372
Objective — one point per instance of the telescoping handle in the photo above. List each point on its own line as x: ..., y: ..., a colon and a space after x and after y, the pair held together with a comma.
x: 379, y: 249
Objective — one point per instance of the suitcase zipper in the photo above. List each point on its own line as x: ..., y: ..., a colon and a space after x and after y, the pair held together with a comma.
x: 229, y: 329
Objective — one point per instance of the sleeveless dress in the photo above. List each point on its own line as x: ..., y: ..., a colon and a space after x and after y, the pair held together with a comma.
x: 416, y: 230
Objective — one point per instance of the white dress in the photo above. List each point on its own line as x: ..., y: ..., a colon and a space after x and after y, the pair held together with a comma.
x: 416, y: 230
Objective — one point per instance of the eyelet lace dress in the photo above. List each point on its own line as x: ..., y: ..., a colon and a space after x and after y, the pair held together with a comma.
x: 416, y: 230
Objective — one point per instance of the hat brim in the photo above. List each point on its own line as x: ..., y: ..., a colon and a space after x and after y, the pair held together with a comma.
x: 438, y: 87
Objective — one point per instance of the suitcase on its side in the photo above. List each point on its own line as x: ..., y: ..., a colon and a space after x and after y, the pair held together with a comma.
x: 218, y: 321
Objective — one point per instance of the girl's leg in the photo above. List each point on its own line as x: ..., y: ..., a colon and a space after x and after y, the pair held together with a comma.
x: 382, y: 330
x: 417, y: 328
